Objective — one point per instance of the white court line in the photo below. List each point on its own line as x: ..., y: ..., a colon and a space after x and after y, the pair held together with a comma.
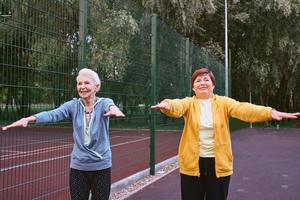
x: 11, y: 151
x: 124, y: 136
x: 117, y: 136
x: 32, y: 163
x: 11, y: 187
x: 34, y: 152
x: 32, y: 143
x: 61, y: 157
x: 115, y: 145
x: 19, y: 154
x: 50, y: 193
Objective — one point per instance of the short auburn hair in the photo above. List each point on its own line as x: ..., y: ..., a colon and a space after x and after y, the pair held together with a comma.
x: 201, y: 72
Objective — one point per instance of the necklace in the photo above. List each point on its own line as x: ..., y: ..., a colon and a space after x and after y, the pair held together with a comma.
x: 88, y: 116
x: 86, y: 112
x: 89, y: 107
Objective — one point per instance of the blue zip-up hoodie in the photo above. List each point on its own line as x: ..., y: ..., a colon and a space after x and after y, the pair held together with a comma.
x: 97, y: 154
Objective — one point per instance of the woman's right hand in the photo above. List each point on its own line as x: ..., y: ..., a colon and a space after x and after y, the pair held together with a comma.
x: 20, y: 123
x: 162, y: 105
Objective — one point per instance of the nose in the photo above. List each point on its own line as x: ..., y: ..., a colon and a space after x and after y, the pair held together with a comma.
x: 81, y: 86
x: 202, y: 82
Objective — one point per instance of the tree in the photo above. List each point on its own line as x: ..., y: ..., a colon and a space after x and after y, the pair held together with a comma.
x: 34, y: 44
x: 263, y: 39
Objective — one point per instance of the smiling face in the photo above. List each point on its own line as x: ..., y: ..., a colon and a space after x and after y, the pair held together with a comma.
x: 203, y: 86
x: 86, y: 87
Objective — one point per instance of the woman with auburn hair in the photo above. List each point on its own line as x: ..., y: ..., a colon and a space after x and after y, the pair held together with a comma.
x: 205, y: 153
x: 90, y: 168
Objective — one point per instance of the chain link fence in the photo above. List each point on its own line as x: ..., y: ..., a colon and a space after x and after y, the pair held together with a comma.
x: 43, y: 44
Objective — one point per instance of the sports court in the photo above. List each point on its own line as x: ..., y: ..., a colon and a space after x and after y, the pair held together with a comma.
x: 35, y: 161
x: 266, y: 167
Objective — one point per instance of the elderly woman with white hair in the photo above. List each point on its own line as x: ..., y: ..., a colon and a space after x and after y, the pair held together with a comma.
x: 91, y: 156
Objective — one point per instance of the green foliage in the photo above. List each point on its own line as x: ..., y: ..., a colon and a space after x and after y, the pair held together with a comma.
x: 110, y: 42
x: 269, y: 52
x: 40, y: 46
x: 181, y: 14
x: 34, y: 47
x: 263, y: 39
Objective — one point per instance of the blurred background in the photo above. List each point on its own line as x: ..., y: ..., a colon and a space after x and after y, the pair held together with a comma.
x: 144, y: 51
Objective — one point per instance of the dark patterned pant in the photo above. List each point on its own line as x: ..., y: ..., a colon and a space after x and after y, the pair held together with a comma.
x: 207, y: 186
x: 82, y: 182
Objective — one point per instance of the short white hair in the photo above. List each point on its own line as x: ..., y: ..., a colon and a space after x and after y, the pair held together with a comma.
x: 88, y: 73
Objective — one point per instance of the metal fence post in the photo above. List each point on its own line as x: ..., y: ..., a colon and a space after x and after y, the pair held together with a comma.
x: 83, y: 4
x: 153, y: 92
x: 182, y: 72
x: 229, y: 73
x: 188, y: 67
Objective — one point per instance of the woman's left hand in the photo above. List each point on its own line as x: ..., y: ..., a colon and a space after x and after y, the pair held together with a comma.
x: 114, y: 111
x: 277, y: 115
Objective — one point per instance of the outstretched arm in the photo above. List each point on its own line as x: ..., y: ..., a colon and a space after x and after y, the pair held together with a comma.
x: 162, y: 105
x: 20, y: 123
x: 114, y: 111
x: 277, y: 115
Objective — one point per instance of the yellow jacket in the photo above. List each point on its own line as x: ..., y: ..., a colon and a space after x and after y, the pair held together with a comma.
x: 222, y: 109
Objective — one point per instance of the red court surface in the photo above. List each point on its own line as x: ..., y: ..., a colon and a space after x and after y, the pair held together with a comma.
x: 34, y: 162
x: 266, y: 167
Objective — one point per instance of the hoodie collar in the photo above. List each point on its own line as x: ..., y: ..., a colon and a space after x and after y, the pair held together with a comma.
x: 97, y: 101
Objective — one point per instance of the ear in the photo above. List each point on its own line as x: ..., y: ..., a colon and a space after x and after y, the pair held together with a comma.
x: 97, y: 88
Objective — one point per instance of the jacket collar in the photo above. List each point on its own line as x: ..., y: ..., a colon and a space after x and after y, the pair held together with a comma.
x: 214, y: 97
x: 97, y: 101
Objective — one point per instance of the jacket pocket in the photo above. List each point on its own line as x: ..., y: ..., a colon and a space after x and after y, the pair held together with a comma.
x: 224, y: 159
x: 189, y: 158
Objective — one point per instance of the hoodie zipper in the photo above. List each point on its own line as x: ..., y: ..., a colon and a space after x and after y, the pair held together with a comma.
x: 90, y: 124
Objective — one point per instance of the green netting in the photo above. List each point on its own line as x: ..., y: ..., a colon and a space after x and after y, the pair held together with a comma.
x: 119, y: 48
x: 120, y: 51
x: 37, y: 56
x: 43, y: 44
x: 200, y: 58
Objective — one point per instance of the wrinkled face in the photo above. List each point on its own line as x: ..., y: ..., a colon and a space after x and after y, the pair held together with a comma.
x: 86, y: 87
x: 203, y: 86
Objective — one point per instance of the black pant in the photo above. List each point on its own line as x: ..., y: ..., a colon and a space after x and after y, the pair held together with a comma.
x: 82, y: 182
x: 207, y: 186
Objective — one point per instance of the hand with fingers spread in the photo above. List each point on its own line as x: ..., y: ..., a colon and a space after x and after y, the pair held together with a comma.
x: 162, y: 105
x: 277, y: 115
x: 114, y: 111
x: 20, y: 123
